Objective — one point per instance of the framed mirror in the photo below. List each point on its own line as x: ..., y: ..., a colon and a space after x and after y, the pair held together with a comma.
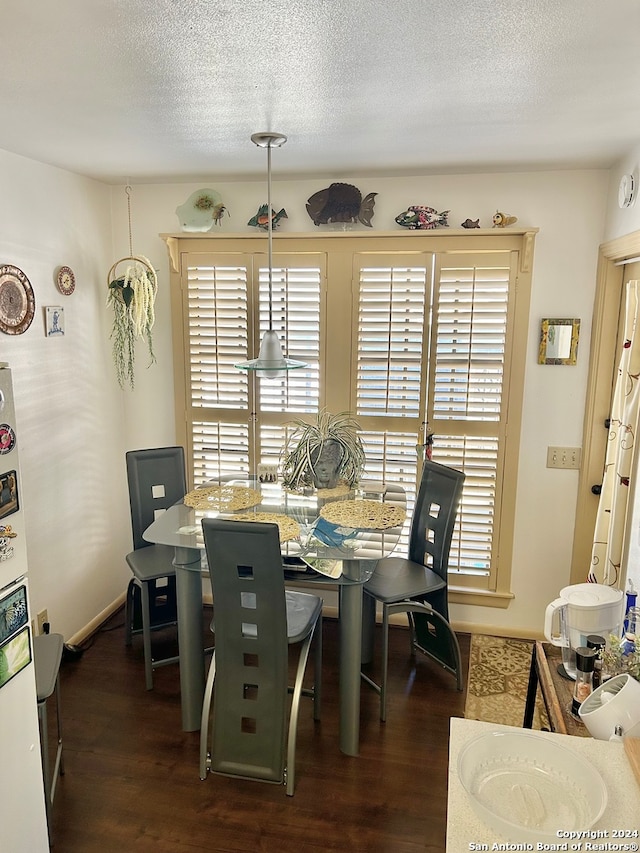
x: 559, y: 341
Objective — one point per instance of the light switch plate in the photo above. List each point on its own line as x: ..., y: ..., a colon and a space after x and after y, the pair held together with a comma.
x: 564, y: 457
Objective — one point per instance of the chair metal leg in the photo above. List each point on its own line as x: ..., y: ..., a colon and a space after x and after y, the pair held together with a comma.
x: 46, y: 769
x: 146, y: 635
x: 385, y: 663
x: 206, y: 713
x: 128, y: 613
x: 317, y: 670
x: 293, y: 717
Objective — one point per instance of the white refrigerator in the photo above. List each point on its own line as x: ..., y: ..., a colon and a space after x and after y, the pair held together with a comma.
x: 23, y: 820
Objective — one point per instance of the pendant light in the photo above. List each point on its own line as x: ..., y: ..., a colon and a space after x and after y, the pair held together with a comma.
x: 271, y: 363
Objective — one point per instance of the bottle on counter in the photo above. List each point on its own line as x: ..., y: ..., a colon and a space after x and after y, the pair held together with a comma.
x: 631, y: 596
x: 583, y: 688
x: 597, y: 643
x: 631, y: 629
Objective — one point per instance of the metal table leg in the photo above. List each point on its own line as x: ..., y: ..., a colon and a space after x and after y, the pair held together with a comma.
x: 368, y: 627
x: 191, y: 651
x: 350, y: 652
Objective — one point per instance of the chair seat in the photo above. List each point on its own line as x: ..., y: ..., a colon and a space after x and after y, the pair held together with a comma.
x: 303, y: 610
x: 152, y: 563
x: 47, y: 655
x: 397, y: 579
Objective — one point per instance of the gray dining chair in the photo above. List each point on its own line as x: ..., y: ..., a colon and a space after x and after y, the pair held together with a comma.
x: 156, y: 479
x: 255, y: 622
x: 417, y: 584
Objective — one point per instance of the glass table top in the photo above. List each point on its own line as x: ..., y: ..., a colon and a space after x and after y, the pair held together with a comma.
x: 320, y: 551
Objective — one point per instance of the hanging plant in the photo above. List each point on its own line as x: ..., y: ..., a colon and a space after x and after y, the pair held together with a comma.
x: 132, y: 297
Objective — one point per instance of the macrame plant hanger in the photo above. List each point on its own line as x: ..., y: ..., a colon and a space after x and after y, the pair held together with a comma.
x: 132, y: 285
x: 131, y: 258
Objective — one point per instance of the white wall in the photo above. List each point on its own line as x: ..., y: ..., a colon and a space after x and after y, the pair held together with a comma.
x: 569, y: 209
x: 69, y: 409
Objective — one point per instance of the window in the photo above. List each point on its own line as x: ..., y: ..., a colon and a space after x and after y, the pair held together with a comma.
x: 415, y: 334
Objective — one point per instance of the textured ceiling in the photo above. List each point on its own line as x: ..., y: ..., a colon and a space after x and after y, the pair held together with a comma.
x: 163, y: 90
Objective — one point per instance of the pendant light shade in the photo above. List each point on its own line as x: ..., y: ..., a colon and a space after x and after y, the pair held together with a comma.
x: 271, y: 363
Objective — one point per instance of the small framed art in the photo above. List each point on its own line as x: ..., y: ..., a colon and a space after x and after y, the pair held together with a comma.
x: 15, y: 654
x: 55, y: 321
x: 8, y: 493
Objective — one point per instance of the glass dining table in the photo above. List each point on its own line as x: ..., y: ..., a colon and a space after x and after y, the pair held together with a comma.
x: 343, y: 555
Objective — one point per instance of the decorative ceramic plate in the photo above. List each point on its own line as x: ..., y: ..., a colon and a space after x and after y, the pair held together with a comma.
x: 66, y: 281
x: 17, y: 302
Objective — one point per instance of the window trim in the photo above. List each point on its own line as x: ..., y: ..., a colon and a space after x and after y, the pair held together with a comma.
x: 520, y: 241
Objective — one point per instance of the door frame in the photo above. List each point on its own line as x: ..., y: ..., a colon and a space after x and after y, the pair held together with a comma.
x: 602, y: 367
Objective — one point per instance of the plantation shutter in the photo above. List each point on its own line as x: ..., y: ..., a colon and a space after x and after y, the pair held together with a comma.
x: 227, y: 306
x: 413, y: 334
x: 468, y: 377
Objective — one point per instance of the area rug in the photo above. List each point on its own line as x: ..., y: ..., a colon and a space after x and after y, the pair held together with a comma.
x: 497, y: 683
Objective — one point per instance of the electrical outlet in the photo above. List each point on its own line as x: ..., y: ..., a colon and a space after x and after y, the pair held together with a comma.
x: 267, y: 473
x: 564, y: 457
x: 42, y: 618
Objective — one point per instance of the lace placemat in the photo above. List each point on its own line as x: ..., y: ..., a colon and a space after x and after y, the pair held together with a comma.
x: 366, y: 515
x: 288, y: 527
x: 224, y: 497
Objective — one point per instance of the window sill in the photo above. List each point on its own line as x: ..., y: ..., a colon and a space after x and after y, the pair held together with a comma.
x: 480, y: 597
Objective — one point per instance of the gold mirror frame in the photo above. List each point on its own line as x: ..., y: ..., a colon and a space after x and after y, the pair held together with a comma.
x: 559, y: 341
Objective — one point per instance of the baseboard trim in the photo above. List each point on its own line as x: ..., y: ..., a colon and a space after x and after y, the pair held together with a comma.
x: 328, y: 610
x: 96, y: 623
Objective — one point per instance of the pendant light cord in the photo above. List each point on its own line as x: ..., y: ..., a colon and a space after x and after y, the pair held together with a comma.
x: 269, y: 237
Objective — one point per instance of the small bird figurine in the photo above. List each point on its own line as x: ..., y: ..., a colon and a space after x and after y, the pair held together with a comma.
x: 471, y: 223
x: 260, y: 220
x: 501, y: 220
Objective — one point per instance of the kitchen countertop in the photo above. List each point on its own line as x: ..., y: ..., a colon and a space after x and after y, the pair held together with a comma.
x: 466, y: 831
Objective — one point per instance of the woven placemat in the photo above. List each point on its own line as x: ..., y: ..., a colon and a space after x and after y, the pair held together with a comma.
x: 365, y: 515
x: 288, y: 527
x: 224, y: 497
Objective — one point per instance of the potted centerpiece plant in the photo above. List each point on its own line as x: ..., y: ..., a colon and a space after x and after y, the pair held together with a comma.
x: 132, y: 296
x: 323, y: 453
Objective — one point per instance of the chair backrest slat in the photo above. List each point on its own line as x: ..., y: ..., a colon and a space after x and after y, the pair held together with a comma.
x: 434, y: 516
x: 156, y: 480
x: 250, y: 617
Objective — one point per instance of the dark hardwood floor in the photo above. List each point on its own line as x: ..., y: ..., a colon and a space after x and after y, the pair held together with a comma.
x: 131, y: 781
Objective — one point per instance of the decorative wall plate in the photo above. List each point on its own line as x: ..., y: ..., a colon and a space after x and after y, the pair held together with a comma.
x: 66, y: 281
x: 17, y: 302
x: 626, y: 191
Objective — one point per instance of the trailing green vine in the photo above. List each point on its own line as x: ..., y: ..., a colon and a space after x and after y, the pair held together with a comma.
x: 132, y: 297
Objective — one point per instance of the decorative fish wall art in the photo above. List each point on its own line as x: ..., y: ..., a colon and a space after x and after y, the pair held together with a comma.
x: 201, y: 211
x: 419, y: 217
x: 341, y: 203
x: 260, y: 220
x: 501, y: 220
x: 471, y: 223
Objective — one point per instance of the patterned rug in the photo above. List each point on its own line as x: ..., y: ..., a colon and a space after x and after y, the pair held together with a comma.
x: 497, y: 684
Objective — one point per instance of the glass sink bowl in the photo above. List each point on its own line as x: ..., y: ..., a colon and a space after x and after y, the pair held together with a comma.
x: 526, y: 786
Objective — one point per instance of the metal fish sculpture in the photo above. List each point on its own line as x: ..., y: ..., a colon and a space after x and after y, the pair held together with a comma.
x: 471, y: 223
x: 501, y: 220
x: 419, y: 217
x: 341, y: 203
x: 260, y: 220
